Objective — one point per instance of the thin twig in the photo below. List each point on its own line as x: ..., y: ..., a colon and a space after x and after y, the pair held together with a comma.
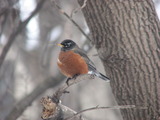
x: 100, y: 108
x: 78, y: 9
x: 66, y: 15
x: 15, y: 32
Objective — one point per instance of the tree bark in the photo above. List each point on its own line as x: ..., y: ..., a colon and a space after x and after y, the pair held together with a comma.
x: 126, y: 34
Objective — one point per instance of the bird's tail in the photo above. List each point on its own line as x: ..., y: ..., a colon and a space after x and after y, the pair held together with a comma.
x: 103, y: 77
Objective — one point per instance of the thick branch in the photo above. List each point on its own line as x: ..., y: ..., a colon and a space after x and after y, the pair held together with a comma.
x: 71, y: 82
x: 42, y: 87
x: 56, y: 111
x: 52, y: 107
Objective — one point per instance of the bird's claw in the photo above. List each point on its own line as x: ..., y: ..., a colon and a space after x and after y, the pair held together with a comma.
x: 67, y: 81
x: 74, y: 78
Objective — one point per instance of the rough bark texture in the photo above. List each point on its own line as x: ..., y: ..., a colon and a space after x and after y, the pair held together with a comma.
x: 126, y: 34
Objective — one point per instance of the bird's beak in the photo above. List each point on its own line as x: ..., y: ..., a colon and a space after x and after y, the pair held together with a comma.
x: 60, y: 45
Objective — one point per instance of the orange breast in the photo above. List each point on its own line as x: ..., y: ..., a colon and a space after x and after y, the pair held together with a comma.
x: 71, y: 64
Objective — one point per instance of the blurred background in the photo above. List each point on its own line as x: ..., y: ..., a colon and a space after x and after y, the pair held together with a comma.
x: 32, y: 58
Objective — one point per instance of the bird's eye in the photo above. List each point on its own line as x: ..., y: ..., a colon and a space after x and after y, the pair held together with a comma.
x: 68, y: 45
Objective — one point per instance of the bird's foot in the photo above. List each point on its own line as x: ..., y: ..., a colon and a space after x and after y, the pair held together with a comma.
x: 67, y: 81
x: 73, y: 78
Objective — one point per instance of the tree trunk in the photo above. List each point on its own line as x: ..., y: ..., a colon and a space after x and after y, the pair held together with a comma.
x: 126, y: 34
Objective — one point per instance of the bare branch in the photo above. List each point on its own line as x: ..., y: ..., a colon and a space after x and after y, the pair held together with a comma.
x: 111, y: 107
x: 79, y: 9
x: 15, y: 32
x: 66, y: 15
x: 54, y: 111
x: 52, y: 108
x: 19, y: 108
x: 62, y: 90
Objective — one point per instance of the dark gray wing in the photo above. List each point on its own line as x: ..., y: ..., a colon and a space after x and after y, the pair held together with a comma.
x: 90, y: 64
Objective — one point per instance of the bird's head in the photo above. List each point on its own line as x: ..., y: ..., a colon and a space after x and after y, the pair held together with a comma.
x: 67, y: 45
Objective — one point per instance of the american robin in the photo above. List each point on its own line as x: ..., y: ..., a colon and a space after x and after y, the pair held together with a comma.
x: 73, y: 61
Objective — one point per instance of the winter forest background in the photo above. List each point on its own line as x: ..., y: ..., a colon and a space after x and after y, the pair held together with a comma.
x: 32, y: 56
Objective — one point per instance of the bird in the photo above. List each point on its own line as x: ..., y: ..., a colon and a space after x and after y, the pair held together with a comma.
x: 73, y: 61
